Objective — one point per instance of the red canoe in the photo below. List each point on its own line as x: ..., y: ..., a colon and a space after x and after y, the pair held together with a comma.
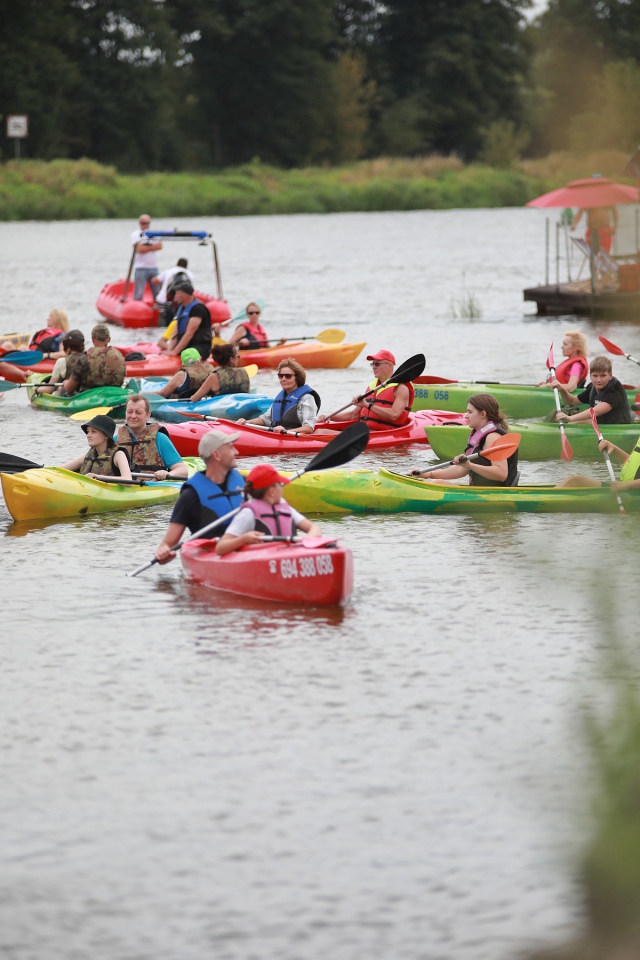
x: 254, y: 442
x: 314, y: 571
x: 153, y: 365
x: 141, y: 313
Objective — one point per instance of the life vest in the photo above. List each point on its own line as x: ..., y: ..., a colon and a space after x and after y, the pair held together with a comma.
x: 196, y: 373
x: 232, y: 380
x: 101, y: 464
x: 631, y: 469
x: 275, y: 521
x: 562, y: 370
x: 70, y: 361
x: 284, y: 408
x: 216, y: 501
x: 256, y: 334
x: 201, y: 339
x: 475, y: 445
x: 142, y: 451
x: 105, y: 367
x: 54, y: 334
x: 386, y: 396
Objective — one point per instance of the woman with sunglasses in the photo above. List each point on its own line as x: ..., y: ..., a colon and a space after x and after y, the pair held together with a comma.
x: 251, y: 335
x: 295, y: 409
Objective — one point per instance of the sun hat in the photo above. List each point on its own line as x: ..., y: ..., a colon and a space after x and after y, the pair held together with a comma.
x: 190, y: 355
x: 383, y: 355
x: 102, y: 423
x: 213, y: 440
x: 100, y: 332
x: 264, y: 475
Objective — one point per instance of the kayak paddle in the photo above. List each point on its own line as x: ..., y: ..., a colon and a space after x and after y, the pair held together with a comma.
x: 343, y: 448
x: 331, y: 335
x: 84, y: 415
x: 6, y: 385
x: 407, y: 371
x: 23, y: 358
x: 605, y: 453
x: 566, y: 452
x: 502, y: 449
x: 618, y: 351
x: 12, y: 464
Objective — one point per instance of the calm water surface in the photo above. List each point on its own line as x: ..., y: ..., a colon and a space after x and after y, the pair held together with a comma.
x: 187, y: 775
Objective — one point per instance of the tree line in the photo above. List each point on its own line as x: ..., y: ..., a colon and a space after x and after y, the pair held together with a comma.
x: 207, y: 84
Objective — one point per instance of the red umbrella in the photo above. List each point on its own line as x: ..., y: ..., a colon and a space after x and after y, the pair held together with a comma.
x: 592, y: 192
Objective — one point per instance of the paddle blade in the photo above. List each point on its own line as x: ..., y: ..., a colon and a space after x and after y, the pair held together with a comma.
x: 410, y: 369
x: 251, y: 369
x: 594, y: 423
x: 550, y: 362
x: 23, y: 358
x: 611, y: 347
x: 332, y: 335
x: 566, y: 453
x: 343, y: 448
x: 503, y: 448
x: 8, y: 385
x: 9, y: 463
x: 84, y: 415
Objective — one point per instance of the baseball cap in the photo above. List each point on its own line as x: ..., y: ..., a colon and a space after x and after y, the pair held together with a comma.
x: 184, y: 287
x: 213, y: 440
x: 190, y: 355
x: 75, y: 337
x: 100, y: 332
x: 265, y: 475
x: 383, y: 355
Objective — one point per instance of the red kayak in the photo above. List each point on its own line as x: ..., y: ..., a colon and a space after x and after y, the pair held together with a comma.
x: 256, y: 442
x: 153, y: 365
x: 142, y: 313
x: 314, y: 570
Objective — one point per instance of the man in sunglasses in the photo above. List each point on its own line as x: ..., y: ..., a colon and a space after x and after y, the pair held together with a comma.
x: 389, y: 403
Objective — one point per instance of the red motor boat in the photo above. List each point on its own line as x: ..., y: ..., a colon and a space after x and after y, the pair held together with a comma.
x: 314, y: 570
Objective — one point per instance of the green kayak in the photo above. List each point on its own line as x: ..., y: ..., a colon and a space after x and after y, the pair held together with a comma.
x: 540, y: 441
x: 370, y: 491
x: 96, y: 397
x: 515, y: 399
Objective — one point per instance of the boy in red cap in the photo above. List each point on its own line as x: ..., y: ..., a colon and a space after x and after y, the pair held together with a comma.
x: 266, y: 514
x: 390, y: 403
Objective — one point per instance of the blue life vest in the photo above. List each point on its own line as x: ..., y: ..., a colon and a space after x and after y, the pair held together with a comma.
x: 216, y: 501
x: 283, y: 409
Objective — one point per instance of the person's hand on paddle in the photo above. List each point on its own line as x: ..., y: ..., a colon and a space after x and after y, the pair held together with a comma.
x: 562, y: 417
x: 161, y: 474
x: 164, y: 553
x: 606, y: 446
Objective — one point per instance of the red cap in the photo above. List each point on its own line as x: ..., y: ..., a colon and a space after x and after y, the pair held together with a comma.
x: 383, y: 355
x: 264, y: 476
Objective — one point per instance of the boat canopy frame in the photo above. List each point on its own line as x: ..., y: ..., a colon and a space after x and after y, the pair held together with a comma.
x: 203, y: 238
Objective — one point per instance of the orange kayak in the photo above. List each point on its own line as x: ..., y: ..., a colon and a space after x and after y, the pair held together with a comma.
x: 311, y: 354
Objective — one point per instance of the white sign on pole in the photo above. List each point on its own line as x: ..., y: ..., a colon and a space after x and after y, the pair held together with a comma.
x: 17, y: 125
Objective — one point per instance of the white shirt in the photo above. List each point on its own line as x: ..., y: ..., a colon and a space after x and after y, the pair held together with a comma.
x: 143, y: 259
x: 166, y: 276
x: 245, y: 521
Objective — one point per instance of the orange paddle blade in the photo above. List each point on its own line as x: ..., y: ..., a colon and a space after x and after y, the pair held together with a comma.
x: 611, y: 347
x: 566, y: 452
x: 503, y: 448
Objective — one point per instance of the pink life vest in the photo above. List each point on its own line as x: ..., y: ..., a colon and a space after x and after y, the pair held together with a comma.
x: 255, y: 334
x: 275, y: 521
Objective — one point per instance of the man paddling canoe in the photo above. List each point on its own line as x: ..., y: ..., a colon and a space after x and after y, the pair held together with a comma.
x: 148, y: 445
x: 487, y: 424
x: 207, y: 494
x: 390, y: 403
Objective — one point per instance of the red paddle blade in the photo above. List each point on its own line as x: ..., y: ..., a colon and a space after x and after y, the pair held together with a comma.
x: 550, y: 362
x: 566, y: 452
x: 611, y: 347
x: 594, y: 423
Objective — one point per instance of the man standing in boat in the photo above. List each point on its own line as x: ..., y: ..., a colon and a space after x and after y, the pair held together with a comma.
x: 145, y: 261
x: 193, y: 323
x: 101, y: 366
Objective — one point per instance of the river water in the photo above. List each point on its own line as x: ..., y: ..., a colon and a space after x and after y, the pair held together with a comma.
x: 187, y: 775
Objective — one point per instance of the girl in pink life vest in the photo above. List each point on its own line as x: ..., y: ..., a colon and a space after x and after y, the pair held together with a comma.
x: 574, y: 369
x: 265, y: 514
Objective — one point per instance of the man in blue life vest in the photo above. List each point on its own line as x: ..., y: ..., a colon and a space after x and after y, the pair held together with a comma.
x: 208, y: 494
x: 193, y: 323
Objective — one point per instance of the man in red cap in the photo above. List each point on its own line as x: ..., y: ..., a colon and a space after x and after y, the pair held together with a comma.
x: 265, y: 514
x: 389, y: 404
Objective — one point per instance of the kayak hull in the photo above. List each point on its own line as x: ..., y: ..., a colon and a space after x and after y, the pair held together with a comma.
x: 153, y: 365
x: 370, y: 491
x: 514, y: 399
x: 314, y: 571
x: 540, y: 441
x: 254, y: 442
x: 52, y: 493
x: 230, y: 406
x: 128, y: 312
x: 311, y: 354
x: 97, y: 397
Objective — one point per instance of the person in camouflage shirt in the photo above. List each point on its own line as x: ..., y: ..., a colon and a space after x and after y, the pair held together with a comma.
x: 101, y: 366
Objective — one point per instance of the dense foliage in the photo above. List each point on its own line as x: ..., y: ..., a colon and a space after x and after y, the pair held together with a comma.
x: 196, y: 84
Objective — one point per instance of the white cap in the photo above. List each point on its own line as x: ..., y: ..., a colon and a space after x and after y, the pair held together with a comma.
x: 213, y: 440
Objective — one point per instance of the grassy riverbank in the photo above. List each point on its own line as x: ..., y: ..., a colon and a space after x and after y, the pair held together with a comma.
x: 84, y: 189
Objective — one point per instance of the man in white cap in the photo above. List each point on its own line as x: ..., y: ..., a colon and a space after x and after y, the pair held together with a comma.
x: 208, y: 494
x: 387, y: 406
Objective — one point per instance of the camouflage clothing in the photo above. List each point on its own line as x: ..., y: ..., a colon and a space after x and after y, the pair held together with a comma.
x: 100, y: 367
x: 101, y: 464
x: 71, y: 360
x: 197, y: 373
x: 233, y: 380
x: 142, y: 451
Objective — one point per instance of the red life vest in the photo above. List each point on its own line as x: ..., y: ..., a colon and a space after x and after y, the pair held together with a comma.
x: 276, y: 520
x: 255, y: 334
x: 43, y: 334
x: 562, y: 370
x: 386, y: 396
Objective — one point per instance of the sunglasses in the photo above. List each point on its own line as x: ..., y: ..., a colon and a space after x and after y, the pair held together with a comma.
x: 378, y: 363
x: 285, y: 376
x: 253, y: 313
